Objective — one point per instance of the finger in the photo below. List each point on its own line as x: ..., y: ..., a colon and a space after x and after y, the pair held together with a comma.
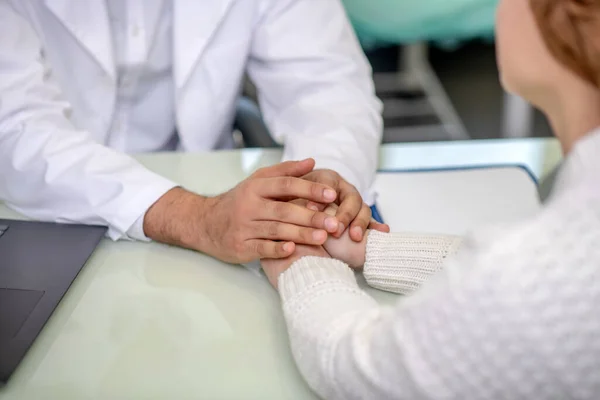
x: 350, y: 206
x: 297, y: 215
x: 288, y: 168
x: 378, y: 226
x: 331, y: 209
x: 300, y: 202
x: 328, y: 178
x: 289, y: 233
x: 311, y: 205
x: 359, y: 226
x: 270, y: 249
x: 286, y: 187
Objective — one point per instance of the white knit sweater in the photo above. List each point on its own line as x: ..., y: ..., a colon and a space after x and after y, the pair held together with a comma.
x: 401, y: 263
x: 514, y: 315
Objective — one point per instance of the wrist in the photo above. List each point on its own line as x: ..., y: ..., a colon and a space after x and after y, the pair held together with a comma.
x: 176, y: 218
x: 357, y: 252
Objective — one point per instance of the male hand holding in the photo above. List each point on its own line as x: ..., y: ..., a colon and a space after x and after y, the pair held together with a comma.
x: 253, y: 220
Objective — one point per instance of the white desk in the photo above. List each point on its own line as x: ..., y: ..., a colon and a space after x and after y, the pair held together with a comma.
x: 148, y: 321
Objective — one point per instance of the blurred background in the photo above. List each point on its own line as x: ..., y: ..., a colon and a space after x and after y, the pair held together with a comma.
x: 468, y: 77
x: 435, y: 71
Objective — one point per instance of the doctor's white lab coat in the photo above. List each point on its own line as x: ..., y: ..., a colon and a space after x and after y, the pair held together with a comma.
x: 58, y: 85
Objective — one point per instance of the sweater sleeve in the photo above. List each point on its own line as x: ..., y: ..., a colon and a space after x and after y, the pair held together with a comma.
x: 401, y: 263
x: 509, y: 316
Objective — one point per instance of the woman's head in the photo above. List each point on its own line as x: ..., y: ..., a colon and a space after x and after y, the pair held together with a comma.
x: 549, y: 53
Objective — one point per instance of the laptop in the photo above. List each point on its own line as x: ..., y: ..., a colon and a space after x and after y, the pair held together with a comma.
x: 38, y: 263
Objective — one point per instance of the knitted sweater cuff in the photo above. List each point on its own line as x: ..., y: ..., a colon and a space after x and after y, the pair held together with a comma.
x: 401, y: 263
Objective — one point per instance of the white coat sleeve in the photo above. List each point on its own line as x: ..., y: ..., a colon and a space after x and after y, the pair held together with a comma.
x: 49, y: 170
x: 315, y: 88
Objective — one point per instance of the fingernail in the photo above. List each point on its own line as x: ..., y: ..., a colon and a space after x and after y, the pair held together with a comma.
x: 329, y: 194
x: 313, y: 207
x: 357, y: 232
x: 288, y: 247
x: 340, y: 229
x: 319, y: 236
x: 331, y: 224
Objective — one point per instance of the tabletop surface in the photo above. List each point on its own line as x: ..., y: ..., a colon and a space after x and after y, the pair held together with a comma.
x: 149, y: 321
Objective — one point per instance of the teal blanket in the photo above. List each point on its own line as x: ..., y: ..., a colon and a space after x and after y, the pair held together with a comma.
x: 404, y: 21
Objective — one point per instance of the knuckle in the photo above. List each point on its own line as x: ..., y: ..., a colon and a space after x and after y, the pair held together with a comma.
x: 346, y: 216
x: 280, y: 210
x: 243, y: 192
x: 239, y: 248
x: 306, y: 235
x: 260, y: 172
x: 251, y: 187
x: 361, y: 222
x: 273, y: 230
x: 239, y: 240
x: 354, y: 197
x: 316, y: 218
x: 286, y: 184
x: 355, y: 204
x: 243, y: 185
x: 365, y: 214
x: 248, y: 208
x: 351, y: 195
x: 330, y: 176
x: 260, y: 248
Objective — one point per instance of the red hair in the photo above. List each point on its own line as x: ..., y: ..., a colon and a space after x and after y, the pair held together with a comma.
x: 571, y: 31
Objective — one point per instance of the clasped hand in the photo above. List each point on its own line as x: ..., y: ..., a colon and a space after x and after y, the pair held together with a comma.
x: 343, y: 248
x: 265, y: 216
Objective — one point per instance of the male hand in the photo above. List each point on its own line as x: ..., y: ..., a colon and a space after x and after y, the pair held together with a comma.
x: 251, y: 221
x: 273, y: 268
x: 353, y: 214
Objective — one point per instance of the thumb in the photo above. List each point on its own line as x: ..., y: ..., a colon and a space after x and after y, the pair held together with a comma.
x: 288, y: 168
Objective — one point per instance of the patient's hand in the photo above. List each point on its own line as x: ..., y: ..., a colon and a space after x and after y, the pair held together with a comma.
x: 275, y: 267
x: 347, y: 250
x: 344, y: 248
